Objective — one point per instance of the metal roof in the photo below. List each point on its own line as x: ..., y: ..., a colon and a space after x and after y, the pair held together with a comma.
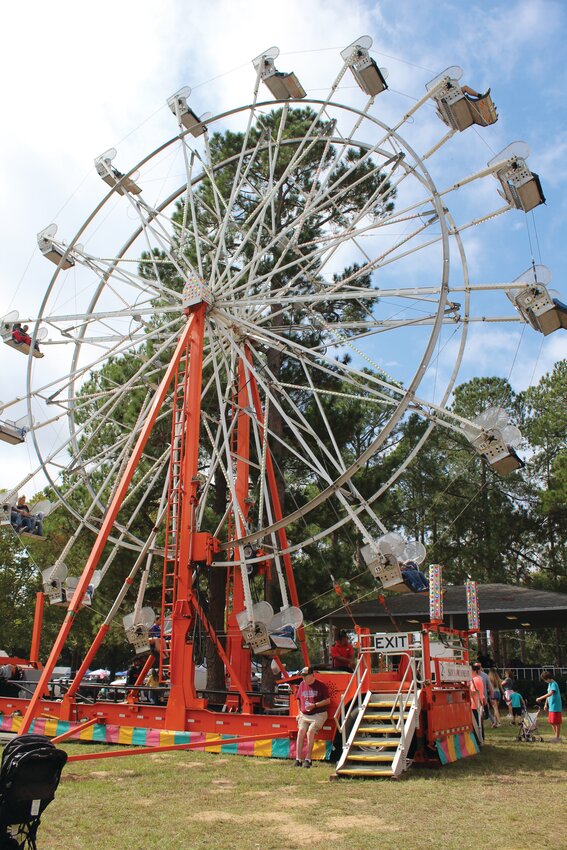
x: 502, y: 607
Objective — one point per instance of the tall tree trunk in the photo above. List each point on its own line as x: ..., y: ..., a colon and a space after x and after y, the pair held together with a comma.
x: 217, y: 598
x: 495, y: 647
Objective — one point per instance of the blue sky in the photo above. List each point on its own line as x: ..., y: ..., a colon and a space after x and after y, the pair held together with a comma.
x: 80, y: 78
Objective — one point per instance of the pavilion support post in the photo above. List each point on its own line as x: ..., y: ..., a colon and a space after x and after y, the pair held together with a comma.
x: 558, y: 647
x: 505, y: 653
x: 522, y: 642
x: 495, y: 647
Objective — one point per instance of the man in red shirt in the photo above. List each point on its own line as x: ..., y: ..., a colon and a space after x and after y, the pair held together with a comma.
x: 20, y: 334
x: 342, y: 653
x: 313, y: 698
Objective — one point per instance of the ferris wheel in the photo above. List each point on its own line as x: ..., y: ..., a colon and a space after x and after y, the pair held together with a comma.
x: 329, y: 269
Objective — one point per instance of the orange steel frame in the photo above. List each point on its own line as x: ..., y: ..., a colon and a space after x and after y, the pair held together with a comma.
x: 445, y: 705
x: 184, y: 705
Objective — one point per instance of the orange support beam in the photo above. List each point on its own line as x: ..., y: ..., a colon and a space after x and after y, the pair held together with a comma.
x: 37, y: 624
x: 81, y: 672
x: 71, y: 732
x: 182, y: 666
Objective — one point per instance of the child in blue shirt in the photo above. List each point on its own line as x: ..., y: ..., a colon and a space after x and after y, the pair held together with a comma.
x: 554, y: 704
x: 518, y: 705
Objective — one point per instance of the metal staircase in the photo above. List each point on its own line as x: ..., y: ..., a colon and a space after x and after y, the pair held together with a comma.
x: 378, y: 727
x: 380, y: 738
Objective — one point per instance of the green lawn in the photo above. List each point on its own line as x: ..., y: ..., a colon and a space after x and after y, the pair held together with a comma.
x: 510, y: 797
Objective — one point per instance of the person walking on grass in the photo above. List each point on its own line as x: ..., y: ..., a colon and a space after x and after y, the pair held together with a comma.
x: 488, y: 694
x: 518, y: 706
x: 496, y: 683
x: 554, y: 704
x: 478, y: 699
x: 508, y: 686
x: 313, y: 698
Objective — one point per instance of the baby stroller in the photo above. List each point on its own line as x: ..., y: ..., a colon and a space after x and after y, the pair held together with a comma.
x: 29, y: 776
x: 528, y: 730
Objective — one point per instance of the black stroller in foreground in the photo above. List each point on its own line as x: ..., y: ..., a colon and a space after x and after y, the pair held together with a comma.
x: 29, y: 776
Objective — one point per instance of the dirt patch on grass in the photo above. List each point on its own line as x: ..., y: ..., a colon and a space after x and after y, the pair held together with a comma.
x: 191, y: 764
x: 287, y: 820
x: 345, y: 822
x: 304, y: 802
x: 73, y: 777
x: 211, y: 817
x: 99, y: 774
x: 304, y: 834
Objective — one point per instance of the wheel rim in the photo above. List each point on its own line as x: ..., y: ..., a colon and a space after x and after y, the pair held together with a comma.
x: 237, y: 310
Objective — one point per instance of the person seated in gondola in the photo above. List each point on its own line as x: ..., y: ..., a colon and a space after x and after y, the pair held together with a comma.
x: 471, y: 92
x: 21, y: 336
x: 22, y: 518
x: 415, y: 579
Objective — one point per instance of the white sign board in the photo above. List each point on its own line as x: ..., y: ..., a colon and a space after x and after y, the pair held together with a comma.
x: 453, y: 671
x: 396, y: 641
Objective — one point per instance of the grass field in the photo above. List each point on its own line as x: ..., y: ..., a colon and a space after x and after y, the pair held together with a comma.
x: 511, y: 797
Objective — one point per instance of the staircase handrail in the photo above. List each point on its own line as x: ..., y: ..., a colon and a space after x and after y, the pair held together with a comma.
x: 356, y: 699
x: 402, y: 698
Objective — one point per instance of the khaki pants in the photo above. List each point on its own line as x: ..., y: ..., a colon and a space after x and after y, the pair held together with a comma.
x: 311, y: 721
